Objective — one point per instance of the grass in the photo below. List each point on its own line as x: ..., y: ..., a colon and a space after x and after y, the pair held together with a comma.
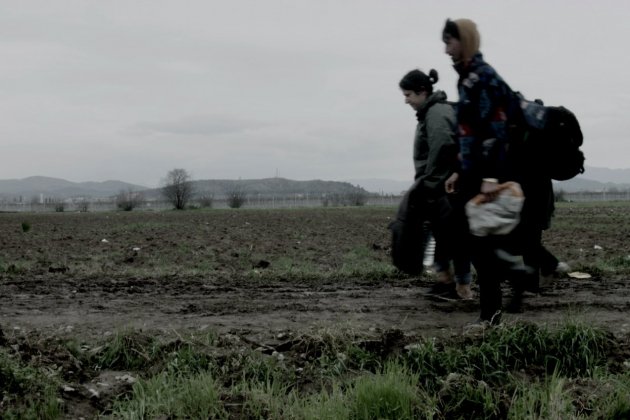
x: 516, y: 370
x: 27, y: 392
x: 172, y: 395
x: 546, y: 399
x: 390, y: 394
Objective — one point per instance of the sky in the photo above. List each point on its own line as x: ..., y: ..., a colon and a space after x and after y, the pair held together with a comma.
x: 127, y: 90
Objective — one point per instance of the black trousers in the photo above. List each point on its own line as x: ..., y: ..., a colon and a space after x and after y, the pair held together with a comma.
x: 490, y: 273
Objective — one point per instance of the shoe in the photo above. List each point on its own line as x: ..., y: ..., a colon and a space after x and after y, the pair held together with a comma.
x: 443, y: 289
x: 464, y: 292
x: 547, y: 280
x: 562, y: 268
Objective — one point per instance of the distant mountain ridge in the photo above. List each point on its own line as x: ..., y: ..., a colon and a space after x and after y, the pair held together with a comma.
x: 266, y: 187
x: 594, y: 179
x: 32, y: 187
x: 607, y: 175
x: 60, y: 188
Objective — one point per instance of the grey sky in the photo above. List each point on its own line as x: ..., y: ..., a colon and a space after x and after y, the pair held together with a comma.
x: 97, y: 90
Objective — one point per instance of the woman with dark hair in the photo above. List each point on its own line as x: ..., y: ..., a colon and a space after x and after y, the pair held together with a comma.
x: 435, y: 158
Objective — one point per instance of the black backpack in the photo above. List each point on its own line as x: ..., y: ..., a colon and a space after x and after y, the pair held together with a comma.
x: 410, y: 231
x: 553, y: 133
x: 408, y: 237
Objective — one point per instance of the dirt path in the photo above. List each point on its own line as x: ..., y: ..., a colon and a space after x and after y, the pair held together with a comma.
x: 98, y: 305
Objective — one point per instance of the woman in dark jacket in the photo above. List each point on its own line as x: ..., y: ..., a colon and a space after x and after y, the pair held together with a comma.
x: 435, y: 157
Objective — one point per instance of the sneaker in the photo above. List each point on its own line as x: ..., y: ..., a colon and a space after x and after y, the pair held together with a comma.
x: 547, y: 280
x: 464, y: 292
x: 562, y: 268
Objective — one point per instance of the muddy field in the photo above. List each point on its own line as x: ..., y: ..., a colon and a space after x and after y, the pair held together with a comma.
x: 261, y: 272
x: 260, y: 280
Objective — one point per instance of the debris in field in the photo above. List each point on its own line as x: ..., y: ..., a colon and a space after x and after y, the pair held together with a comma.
x: 58, y: 269
x: 68, y: 388
x: 135, y: 249
x: 262, y: 264
x: 414, y: 346
x: 104, y: 241
x: 126, y: 378
x: 579, y: 275
x: 597, y: 247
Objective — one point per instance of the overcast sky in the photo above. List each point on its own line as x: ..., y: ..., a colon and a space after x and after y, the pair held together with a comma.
x: 127, y: 90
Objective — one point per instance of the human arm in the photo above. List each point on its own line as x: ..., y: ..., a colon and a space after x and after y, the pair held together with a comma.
x: 482, y: 123
x: 441, y: 158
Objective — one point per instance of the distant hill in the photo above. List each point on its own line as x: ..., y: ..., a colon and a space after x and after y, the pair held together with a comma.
x: 606, y: 175
x: 382, y: 186
x: 578, y: 184
x: 60, y: 188
x: 266, y: 187
x: 593, y: 180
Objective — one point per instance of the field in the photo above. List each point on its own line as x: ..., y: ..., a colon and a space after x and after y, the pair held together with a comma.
x: 275, y: 305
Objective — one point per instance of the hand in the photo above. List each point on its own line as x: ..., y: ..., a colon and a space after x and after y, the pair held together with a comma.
x: 450, y: 185
x: 490, y: 189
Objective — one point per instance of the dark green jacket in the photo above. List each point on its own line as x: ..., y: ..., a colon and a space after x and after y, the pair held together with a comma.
x: 435, y: 147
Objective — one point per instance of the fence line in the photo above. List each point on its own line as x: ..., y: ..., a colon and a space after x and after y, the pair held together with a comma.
x: 266, y: 202
x: 278, y: 202
x: 594, y: 196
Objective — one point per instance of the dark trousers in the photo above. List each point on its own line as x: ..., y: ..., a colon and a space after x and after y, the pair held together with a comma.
x: 496, y: 258
x: 490, y: 274
x: 455, y: 240
x: 527, y: 237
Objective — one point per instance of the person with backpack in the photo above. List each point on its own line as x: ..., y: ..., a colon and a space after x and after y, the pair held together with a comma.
x: 434, y: 157
x: 484, y: 132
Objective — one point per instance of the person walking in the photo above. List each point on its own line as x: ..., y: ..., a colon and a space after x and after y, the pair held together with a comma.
x: 485, y: 104
x: 434, y: 157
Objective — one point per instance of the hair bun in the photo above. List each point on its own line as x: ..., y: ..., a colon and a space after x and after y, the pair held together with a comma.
x: 433, y: 76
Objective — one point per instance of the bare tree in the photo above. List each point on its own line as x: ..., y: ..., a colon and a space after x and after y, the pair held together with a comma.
x: 236, y: 197
x: 177, y: 188
x: 129, y: 199
x: 206, y: 201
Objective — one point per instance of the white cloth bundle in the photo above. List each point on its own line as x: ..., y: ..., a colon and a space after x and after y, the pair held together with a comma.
x: 497, y: 217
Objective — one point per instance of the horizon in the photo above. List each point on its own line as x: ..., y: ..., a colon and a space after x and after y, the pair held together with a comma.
x: 347, y: 180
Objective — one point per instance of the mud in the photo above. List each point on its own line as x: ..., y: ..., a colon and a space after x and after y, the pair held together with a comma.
x: 262, y: 272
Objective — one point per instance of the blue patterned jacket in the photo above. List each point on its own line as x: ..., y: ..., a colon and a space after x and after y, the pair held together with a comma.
x: 485, y: 104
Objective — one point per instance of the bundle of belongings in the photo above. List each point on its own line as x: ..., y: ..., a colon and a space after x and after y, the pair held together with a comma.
x: 497, y: 217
